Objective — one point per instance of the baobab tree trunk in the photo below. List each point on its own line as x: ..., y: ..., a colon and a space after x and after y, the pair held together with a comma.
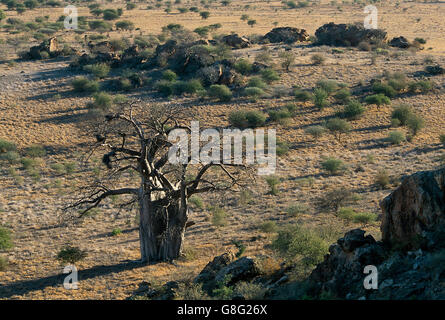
x: 161, y: 228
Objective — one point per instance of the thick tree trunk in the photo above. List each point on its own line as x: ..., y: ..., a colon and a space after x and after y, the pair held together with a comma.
x: 161, y: 229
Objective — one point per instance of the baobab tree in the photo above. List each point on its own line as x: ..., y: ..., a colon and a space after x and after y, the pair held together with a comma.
x: 140, y: 144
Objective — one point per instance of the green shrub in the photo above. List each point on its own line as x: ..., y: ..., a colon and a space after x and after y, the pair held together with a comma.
x: 297, y: 242
x: 100, y: 70
x: 220, y: 92
x: 243, y: 66
x: 320, y: 98
x: 3, y: 263
x: 5, y: 239
x: 257, y: 82
x: 273, y: 183
x: 352, y: 110
x: 382, y: 179
x: 124, y: 25
x: 254, y: 93
x: 169, y: 75
x: 35, y: 151
x: 302, y: 96
x: 402, y: 113
x: 415, y: 123
x: 342, y: 95
x: 442, y: 139
x: 338, y: 127
x: 82, y: 84
x: 329, y: 86
x: 315, y: 131
x: 357, y: 217
x: 110, y: 14
x: 333, y: 166
x: 11, y: 156
x: 317, y: 59
x: 6, y: 146
x: 196, y: 201
x: 396, y: 137
x: 280, y: 114
x: 382, y: 88
x: 219, y: 217
x: 378, y: 99
x: 269, y: 227
x: 282, y: 148
x: 269, y: 75
x: 247, y: 119
x: 99, y: 25
x: 71, y: 255
x: 165, y: 88
x: 102, y: 101
x: 296, y: 209
x: 116, y: 232
x: 421, y: 86
x: 192, y: 86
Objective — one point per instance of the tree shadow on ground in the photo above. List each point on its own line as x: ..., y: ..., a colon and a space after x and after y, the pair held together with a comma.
x: 23, y: 287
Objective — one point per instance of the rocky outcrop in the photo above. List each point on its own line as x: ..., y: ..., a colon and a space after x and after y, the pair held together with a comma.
x: 287, y: 35
x: 348, y: 34
x: 400, y: 42
x: 415, y: 208
x: 47, y: 49
x: 235, y: 41
x: 410, y: 258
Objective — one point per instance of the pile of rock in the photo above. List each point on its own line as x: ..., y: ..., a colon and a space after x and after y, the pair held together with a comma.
x: 47, y: 49
x: 286, y: 35
x: 348, y: 34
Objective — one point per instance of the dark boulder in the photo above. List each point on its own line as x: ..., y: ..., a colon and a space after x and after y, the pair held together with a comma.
x: 400, y: 42
x: 348, y: 34
x: 235, y: 41
x: 286, y: 35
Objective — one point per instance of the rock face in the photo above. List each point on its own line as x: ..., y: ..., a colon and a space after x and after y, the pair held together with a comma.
x: 287, y: 35
x: 343, y: 268
x: 410, y: 260
x: 400, y: 42
x: 236, y: 42
x: 348, y: 34
x: 51, y: 47
x: 417, y: 206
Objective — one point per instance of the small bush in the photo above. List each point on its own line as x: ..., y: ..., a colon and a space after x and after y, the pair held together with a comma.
x: 219, y: 217
x: 254, y: 93
x: 269, y: 227
x: 165, y: 88
x: 442, y: 139
x: 280, y: 114
x: 382, y: 179
x: 402, y: 113
x: 247, y: 119
x: 11, y: 156
x: 338, y: 127
x: 71, y: 255
x: 5, y: 239
x: 6, y: 146
x: 102, y: 101
x: 396, y: 137
x: 99, y: 70
x: 378, y: 99
x: 192, y: 86
x: 302, y: 96
x: 273, y: 183
x: 116, y: 232
x: 257, y: 82
x: 333, y: 166
x: 124, y: 25
x: 336, y: 198
x: 269, y: 75
x: 82, y: 84
x: 357, y: 217
x: 421, y: 86
x: 3, y: 263
x: 329, y: 86
x: 320, y: 98
x: 315, y: 131
x: 385, y: 89
x: 353, y: 110
x: 220, y: 92
x: 296, y: 209
x: 296, y: 242
x: 243, y: 66
x: 415, y: 123
x: 196, y: 201
x: 169, y: 75
x: 318, y: 59
x: 342, y: 95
